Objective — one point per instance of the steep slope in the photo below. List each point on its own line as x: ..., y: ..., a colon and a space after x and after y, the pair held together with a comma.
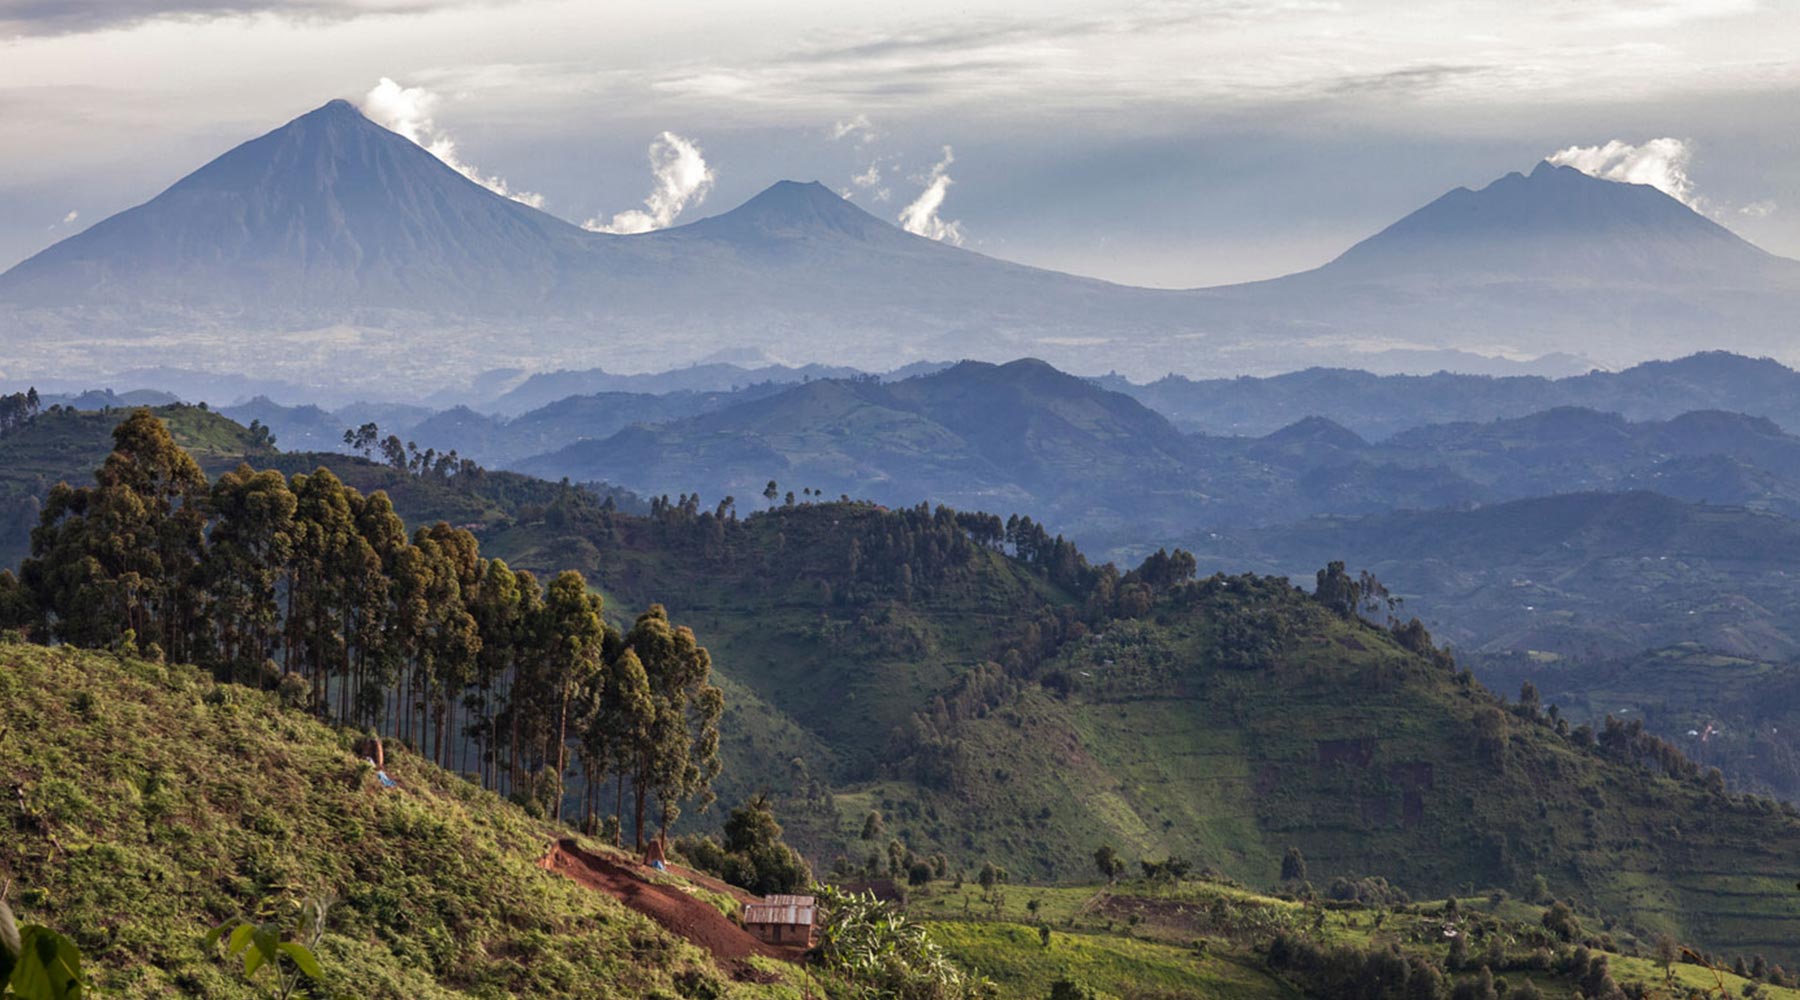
x: 152, y: 804
x: 993, y: 713
x: 326, y: 213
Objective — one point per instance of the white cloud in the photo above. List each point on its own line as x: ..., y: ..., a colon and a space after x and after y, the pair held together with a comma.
x: 870, y: 180
x: 408, y: 110
x: 858, y: 126
x: 71, y: 217
x: 921, y: 217
x: 682, y: 176
x: 1759, y: 209
x: 1660, y: 163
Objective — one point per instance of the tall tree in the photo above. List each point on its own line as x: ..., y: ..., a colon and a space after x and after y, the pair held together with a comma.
x: 681, y: 757
x: 125, y: 553
x: 248, y: 551
x: 576, y: 637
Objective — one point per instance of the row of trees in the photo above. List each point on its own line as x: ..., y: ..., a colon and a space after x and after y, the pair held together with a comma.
x: 307, y: 585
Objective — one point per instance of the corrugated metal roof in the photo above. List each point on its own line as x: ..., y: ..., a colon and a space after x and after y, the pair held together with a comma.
x: 791, y: 910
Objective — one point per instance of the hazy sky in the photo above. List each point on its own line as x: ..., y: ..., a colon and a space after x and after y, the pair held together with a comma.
x: 1159, y: 143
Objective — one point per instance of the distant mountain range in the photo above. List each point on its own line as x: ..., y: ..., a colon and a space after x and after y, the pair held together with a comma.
x: 332, y: 250
x: 1379, y: 406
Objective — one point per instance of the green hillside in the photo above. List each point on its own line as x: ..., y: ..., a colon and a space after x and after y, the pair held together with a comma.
x: 997, y: 698
x: 990, y: 713
x: 65, y: 444
x: 152, y: 804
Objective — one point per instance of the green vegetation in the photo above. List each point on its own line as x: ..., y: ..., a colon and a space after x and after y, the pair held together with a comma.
x: 751, y: 854
x: 924, y: 692
x: 61, y: 444
x: 151, y: 803
x: 1211, y: 938
x: 993, y: 700
x: 372, y: 629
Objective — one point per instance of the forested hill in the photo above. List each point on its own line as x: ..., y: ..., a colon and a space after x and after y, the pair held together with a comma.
x: 61, y: 444
x: 998, y: 698
x: 994, y: 696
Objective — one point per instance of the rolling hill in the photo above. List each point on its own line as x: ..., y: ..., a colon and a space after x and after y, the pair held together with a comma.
x: 997, y: 698
x: 1380, y: 406
x: 1584, y: 575
x: 1019, y: 436
x: 992, y: 708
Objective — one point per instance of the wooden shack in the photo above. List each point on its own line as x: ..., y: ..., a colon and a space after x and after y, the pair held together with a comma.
x: 783, y: 920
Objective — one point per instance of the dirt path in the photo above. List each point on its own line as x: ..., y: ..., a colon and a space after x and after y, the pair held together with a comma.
x: 682, y: 914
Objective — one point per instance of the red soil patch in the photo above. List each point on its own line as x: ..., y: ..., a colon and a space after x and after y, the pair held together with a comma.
x: 693, y: 919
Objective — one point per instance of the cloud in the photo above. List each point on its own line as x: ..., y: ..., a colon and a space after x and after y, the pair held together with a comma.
x: 408, y: 111
x: 66, y: 220
x: 921, y: 217
x: 870, y: 181
x: 19, y: 18
x: 1660, y: 163
x: 858, y: 126
x: 682, y: 176
x: 1759, y: 209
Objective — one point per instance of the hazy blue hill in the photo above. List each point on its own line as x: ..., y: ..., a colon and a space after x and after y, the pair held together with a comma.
x: 545, y: 388
x: 296, y: 428
x: 1379, y: 406
x: 100, y: 399
x: 1020, y: 436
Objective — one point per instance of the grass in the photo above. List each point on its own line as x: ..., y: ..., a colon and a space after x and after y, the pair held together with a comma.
x: 1012, y: 956
x: 1204, y: 938
x: 158, y: 804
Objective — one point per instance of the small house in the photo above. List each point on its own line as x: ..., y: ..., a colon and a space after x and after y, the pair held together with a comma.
x: 783, y: 920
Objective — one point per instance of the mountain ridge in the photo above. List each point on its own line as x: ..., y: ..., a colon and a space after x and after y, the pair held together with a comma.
x: 331, y: 223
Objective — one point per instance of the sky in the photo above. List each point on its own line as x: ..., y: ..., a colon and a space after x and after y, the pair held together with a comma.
x: 1174, y: 144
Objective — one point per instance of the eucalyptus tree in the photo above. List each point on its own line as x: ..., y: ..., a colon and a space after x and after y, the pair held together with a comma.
x: 248, y: 550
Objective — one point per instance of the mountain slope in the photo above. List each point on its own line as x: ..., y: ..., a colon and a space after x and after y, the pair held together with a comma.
x: 1019, y: 436
x: 995, y: 709
x: 1555, y: 225
x: 333, y: 223
x: 154, y: 804
x: 324, y: 213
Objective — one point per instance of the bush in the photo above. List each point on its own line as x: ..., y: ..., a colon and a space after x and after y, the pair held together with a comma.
x: 752, y: 856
